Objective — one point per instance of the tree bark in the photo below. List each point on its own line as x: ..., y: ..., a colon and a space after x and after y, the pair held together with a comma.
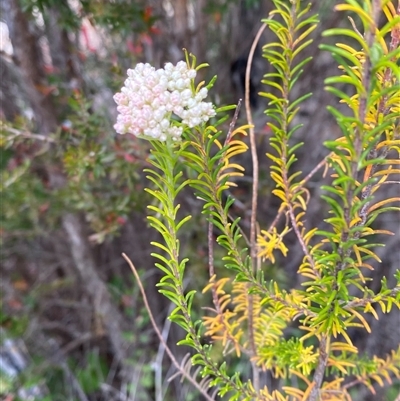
x: 28, y: 57
x: 107, y: 317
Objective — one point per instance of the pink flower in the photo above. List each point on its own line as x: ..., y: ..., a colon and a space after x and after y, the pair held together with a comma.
x: 149, y: 96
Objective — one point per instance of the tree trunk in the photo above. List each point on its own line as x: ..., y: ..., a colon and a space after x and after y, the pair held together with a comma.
x: 107, y: 318
x: 29, y: 59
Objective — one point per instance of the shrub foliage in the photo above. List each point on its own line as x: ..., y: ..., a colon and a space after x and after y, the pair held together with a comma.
x: 299, y: 335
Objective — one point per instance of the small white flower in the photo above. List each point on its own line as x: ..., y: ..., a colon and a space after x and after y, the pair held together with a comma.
x: 186, y: 94
x: 178, y: 110
x: 191, y: 74
x: 181, y: 66
x: 202, y: 94
x: 175, y: 98
x: 194, y: 121
x: 180, y: 84
x: 175, y: 76
x: 168, y: 67
x: 159, y: 114
x: 152, y: 124
x: 158, y: 89
x: 147, y: 112
x: 171, y: 85
x: 136, y: 102
x: 191, y: 103
x: 164, y: 124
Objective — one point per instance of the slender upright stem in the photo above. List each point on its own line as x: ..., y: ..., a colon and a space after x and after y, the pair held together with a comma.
x: 253, y: 148
x: 320, y: 370
x: 253, y: 217
x: 184, y: 373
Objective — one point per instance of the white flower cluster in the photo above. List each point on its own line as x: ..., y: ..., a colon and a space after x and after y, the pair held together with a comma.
x: 149, y: 97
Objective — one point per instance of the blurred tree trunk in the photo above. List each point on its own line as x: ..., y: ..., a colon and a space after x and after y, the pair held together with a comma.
x: 8, y: 101
x: 61, y: 50
x: 199, y: 46
x: 181, y: 22
x: 29, y: 60
x: 107, y: 319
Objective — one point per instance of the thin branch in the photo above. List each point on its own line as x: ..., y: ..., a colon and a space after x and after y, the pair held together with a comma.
x: 160, y: 336
x: 159, y: 358
x: 216, y: 302
x: 383, y: 370
x: 253, y: 148
x: 302, y: 183
x: 74, y: 383
x: 232, y: 124
x: 276, y: 219
x: 28, y: 135
x: 211, y: 268
x: 352, y: 384
x: 383, y: 111
x: 315, y: 169
x: 366, y: 80
x: 355, y: 27
x: 320, y: 369
x: 110, y: 389
x: 301, y: 239
x: 76, y: 343
x: 253, y: 217
x: 366, y: 301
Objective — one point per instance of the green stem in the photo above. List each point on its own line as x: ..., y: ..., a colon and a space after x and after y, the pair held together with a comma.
x: 170, y: 156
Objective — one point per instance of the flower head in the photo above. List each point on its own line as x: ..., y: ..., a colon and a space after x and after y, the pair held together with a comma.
x: 149, y: 97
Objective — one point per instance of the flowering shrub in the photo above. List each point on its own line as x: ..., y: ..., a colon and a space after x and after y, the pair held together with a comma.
x: 251, y: 316
x: 150, y: 97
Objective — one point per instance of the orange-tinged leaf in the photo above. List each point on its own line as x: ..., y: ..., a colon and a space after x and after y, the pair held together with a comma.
x: 370, y: 308
x: 367, y: 172
x: 337, y: 364
x: 358, y: 11
x: 308, y: 391
x: 367, y: 266
x: 358, y: 255
x: 295, y: 392
x: 389, y: 11
x: 378, y: 379
x: 276, y: 177
x: 347, y: 338
x: 370, y: 253
x: 362, y: 319
x: 374, y: 232
x: 388, y: 171
x: 210, y: 284
x: 349, y: 49
x: 280, y: 194
x: 383, y: 306
x: 300, y: 376
x: 389, y: 142
x: 339, y: 346
x: 382, y: 203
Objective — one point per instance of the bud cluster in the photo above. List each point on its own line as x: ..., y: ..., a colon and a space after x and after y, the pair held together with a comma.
x: 149, y: 97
